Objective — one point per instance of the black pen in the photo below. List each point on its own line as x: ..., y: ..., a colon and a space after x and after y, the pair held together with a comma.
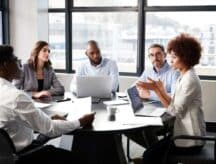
x: 62, y: 100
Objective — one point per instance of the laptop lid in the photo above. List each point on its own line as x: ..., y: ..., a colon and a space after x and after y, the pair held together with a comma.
x: 134, y: 98
x: 95, y: 86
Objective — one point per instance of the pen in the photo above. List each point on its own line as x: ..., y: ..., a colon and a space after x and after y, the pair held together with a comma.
x: 62, y: 100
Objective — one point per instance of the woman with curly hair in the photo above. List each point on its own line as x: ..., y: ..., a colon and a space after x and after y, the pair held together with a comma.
x: 186, y: 104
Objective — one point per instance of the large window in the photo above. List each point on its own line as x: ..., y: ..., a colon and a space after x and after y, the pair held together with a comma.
x: 124, y: 30
x: 113, y: 24
x: 116, y: 33
x: 170, y: 18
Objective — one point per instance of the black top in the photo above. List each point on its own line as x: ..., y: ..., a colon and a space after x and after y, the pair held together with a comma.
x: 40, y: 84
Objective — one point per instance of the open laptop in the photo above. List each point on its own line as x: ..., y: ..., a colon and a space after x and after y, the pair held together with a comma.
x: 154, y: 109
x: 94, y: 86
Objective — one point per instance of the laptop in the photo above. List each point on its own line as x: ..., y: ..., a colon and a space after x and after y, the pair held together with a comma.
x: 94, y: 86
x: 152, y: 109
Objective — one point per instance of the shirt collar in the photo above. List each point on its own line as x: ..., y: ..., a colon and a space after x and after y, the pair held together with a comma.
x: 163, y: 69
x: 99, y: 65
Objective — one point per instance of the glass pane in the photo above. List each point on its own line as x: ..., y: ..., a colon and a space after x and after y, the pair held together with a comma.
x: 56, y: 3
x: 57, y: 39
x: 1, y: 29
x: 162, y: 26
x: 105, y: 3
x: 116, y: 34
x: 180, y: 2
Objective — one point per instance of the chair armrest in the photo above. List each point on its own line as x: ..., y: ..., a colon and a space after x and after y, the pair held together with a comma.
x: 203, y: 138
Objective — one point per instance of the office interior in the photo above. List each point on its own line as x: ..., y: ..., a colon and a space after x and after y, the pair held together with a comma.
x: 29, y: 21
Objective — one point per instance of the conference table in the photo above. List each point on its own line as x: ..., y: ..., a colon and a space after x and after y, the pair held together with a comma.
x: 102, y: 142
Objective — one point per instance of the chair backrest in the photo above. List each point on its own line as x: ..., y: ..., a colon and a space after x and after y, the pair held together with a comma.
x: 7, y: 149
x: 206, y: 155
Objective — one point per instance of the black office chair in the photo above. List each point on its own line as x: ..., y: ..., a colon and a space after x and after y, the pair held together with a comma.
x: 206, y: 156
x: 8, y: 153
x: 7, y: 149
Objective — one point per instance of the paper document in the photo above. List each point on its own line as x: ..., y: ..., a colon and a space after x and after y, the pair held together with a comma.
x: 151, y: 112
x: 116, y: 102
x: 41, y: 105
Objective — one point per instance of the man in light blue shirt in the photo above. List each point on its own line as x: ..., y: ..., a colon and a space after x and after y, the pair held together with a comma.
x: 97, y: 65
x: 160, y: 70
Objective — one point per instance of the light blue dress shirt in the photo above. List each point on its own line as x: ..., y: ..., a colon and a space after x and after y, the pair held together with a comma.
x: 166, y: 74
x: 107, y: 67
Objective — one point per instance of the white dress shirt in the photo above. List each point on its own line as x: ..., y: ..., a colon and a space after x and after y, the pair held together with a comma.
x: 19, y: 117
x: 186, y: 105
x: 107, y: 67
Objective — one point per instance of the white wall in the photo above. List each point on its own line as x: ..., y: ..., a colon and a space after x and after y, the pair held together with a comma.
x: 23, y: 26
x: 29, y: 23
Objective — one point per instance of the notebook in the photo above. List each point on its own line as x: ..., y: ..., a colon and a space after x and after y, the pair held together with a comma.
x: 138, y: 106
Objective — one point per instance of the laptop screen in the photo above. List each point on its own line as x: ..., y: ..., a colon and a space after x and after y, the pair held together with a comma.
x: 136, y: 101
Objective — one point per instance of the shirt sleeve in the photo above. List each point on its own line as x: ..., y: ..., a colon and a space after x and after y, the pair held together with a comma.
x: 30, y: 116
x: 57, y: 88
x: 115, y: 76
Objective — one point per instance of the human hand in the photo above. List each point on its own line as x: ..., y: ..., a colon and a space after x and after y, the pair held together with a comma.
x: 41, y: 94
x: 87, y: 119
x: 158, y: 84
x: 143, y: 93
x: 58, y: 117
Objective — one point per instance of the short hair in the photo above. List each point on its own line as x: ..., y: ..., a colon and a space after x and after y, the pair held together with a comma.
x: 157, y: 46
x: 93, y: 43
x: 187, y: 48
x: 32, y: 61
x: 6, y: 54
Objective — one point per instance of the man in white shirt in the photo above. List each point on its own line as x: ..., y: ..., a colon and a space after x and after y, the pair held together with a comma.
x: 20, y: 118
x: 97, y: 65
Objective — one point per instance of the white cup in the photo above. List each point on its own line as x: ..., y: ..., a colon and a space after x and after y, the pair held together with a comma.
x: 111, y: 110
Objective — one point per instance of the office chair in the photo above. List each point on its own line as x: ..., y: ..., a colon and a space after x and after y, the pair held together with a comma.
x: 206, y: 156
x: 7, y: 149
x: 8, y: 153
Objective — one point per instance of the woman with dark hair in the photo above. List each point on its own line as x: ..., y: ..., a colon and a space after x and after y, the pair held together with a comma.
x: 38, y: 77
x: 186, y: 104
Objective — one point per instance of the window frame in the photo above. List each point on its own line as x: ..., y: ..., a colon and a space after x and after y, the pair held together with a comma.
x: 4, y: 8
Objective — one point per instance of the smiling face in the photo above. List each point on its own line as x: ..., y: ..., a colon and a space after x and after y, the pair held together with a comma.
x: 157, y: 57
x: 43, y: 55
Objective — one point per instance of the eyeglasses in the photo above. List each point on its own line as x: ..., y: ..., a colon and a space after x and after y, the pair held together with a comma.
x: 158, y: 55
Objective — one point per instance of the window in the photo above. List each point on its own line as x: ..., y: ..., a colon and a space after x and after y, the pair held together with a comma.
x: 113, y: 24
x: 181, y: 2
x: 105, y: 3
x: 161, y: 26
x: 125, y: 29
x: 117, y: 37
x: 57, y: 39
